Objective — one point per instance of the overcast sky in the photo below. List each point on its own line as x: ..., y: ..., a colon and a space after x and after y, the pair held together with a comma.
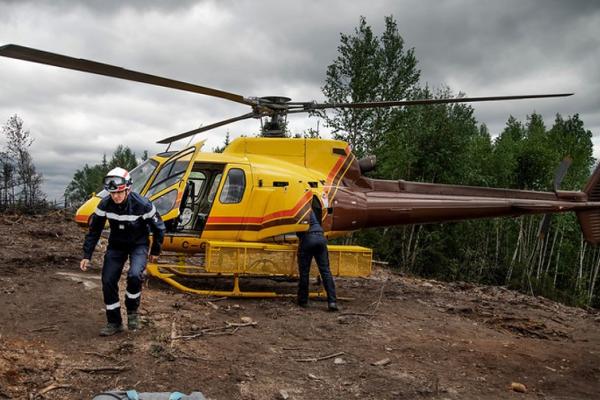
x: 262, y: 48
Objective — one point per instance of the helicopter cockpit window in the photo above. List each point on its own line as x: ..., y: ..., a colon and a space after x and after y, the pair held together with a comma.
x: 141, y: 174
x: 165, y: 202
x: 170, y: 173
x: 233, y: 189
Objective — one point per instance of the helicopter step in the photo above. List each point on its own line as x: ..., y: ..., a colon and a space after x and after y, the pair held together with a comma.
x: 234, y: 260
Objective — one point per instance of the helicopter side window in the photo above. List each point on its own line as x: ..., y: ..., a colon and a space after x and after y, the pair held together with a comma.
x: 170, y: 173
x: 214, y: 187
x: 233, y: 189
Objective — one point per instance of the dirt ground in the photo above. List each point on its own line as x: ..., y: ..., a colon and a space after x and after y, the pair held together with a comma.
x: 396, y: 338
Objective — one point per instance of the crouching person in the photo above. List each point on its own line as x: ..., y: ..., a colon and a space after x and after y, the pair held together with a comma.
x: 131, y: 218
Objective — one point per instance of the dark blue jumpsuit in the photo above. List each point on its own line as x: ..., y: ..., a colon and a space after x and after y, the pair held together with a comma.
x: 130, y: 224
x: 314, y: 244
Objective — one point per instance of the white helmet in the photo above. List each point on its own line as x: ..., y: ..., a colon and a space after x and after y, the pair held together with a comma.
x: 117, y: 180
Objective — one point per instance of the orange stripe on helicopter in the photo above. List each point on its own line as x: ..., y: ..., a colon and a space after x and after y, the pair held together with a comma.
x: 261, y: 220
x: 81, y: 218
x: 338, y: 164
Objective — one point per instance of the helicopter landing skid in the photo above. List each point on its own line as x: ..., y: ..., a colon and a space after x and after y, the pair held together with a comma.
x: 171, y: 274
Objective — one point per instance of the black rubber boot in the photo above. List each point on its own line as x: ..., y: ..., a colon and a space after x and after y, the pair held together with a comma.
x: 110, y: 329
x: 133, y: 321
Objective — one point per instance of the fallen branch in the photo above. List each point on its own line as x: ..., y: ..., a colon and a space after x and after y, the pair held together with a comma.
x: 103, y: 369
x: 240, y: 324
x: 16, y: 221
x: 53, y: 386
x: 379, y: 299
x: 358, y: 313
x: 223, y: 333
x: 45, y: 328
x: 93, y: 353
x: 296, y: 349
x: 315, y: 359
x: 215, y: 331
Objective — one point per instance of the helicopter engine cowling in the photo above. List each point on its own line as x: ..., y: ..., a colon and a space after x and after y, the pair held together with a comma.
x: 367, y: 164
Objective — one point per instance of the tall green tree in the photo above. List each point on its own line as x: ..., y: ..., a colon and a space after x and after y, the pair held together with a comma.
x: 123, y: 157
x: 17, y: 154
x: 368, y: 68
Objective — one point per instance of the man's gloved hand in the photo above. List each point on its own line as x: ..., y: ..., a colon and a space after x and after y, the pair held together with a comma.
x: 84, y: 264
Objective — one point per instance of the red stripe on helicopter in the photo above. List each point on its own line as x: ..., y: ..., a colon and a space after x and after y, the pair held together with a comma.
x: 266, y: 218
x: 258, y: 227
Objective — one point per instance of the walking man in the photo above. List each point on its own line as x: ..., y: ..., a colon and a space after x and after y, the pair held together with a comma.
x: 131, y: 218
x: 314, y: 244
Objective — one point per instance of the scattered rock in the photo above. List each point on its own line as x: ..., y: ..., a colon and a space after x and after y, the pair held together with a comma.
x: 382, y: 362
x: 518, y: 387
x: 339, y: 361
x: 283, y: 394
x: 246, y: 320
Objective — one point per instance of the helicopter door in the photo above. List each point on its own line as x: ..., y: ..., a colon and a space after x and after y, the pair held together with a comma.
x: 167, y: 188
x: 231, y: 201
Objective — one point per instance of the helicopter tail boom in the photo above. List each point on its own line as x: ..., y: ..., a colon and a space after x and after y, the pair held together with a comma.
x: 366, y: 203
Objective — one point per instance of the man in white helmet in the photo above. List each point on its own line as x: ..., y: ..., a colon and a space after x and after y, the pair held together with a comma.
x: 131, y: 218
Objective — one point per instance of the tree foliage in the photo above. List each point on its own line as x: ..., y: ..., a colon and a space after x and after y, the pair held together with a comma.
x: 368, y: 68
x: 88, y: 179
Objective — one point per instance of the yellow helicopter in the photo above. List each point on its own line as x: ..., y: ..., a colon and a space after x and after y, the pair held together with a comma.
x: 238, y: 212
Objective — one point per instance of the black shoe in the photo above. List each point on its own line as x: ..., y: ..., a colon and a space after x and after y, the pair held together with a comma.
x: 332, y: 307
x: 110, y: 329
x: 303, y: 304
x: 133, y: 321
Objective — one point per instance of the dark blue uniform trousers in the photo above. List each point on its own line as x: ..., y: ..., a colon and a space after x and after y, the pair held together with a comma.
x: 314, y: 244
x: 114, y: 260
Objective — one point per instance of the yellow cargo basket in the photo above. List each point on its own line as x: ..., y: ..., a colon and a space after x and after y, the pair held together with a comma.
x: 247, y: 259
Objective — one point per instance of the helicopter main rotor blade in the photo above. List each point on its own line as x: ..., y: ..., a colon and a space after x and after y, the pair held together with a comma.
x: 93, y: 67
x: 205, y: 128
x: 397, y: 103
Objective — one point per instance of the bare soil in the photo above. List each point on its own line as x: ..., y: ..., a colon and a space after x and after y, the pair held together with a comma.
x: 396, y: 337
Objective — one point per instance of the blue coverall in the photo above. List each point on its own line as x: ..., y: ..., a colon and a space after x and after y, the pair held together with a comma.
x: 130, y: 224
x: 314, y: 244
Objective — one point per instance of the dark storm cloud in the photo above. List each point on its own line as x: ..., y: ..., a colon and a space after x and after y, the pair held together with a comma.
x: 273, y: 48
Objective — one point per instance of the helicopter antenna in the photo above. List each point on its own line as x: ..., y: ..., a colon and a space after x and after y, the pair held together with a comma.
x: 191, y: 138
x: 190, y: 141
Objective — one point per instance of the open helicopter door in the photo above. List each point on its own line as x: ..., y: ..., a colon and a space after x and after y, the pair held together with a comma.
x: 168, y: 186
